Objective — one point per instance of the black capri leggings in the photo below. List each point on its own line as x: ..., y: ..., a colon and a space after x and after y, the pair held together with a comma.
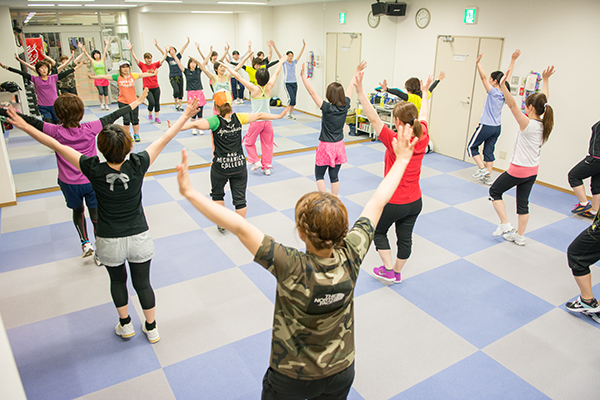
x: 177, y: 85
x: 154, y: 99
x: 506, y: 182
x: 237, y: 182
x: 131, y: 117
x: 585, y: 249
x: 404, y: 216
x: 587, y: 167
x: 140, y: 278
x: 333, y: 172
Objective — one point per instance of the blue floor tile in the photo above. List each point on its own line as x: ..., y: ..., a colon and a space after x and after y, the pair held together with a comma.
x: 476, y: 377
x: 154, y: 193
x: 452, y: 190
x: 560, y: 234
x: 59, y: 358
x: 315, y: 124
x: 19, y: 141
x: 33, y: 164
x: 308, y: 140
x: 232, y: 372
x: 474, y: 303
x: 355, y: 180
x: 361, y: 155
x: 457, y: 231
x: 553, y: 199
x: 186, y: 256
x: 444, y: 164
x: 263, y: 279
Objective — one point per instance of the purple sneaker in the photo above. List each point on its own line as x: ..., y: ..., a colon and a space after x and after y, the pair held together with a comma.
x: 385, y: 274
x: 157, y: 120
x: 398, y: 277
x: 149, y: 117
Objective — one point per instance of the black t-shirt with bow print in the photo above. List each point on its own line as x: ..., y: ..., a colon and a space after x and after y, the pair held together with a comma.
x: 119, y: 194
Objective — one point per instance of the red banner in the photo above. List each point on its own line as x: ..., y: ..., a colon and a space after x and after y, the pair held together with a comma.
x: 35, y: 49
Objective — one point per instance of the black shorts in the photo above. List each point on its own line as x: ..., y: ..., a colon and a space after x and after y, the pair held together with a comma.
x: 102, y: 90
x: 237, y: 182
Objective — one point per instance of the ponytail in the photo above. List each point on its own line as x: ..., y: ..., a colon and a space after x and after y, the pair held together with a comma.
x: 224, y: 109
x: 539, y: 101
x: 548, y: 121
x: 407, y: 113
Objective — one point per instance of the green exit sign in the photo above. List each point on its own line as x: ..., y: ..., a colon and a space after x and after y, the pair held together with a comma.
x: 342, y: 18
x: 470, y: 15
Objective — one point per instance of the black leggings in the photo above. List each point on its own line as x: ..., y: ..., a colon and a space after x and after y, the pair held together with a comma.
x: 80, y: 224
x: 505, y: 182
x: 177, y: 85
x: 588, y: 167
x: 404, y: 216
x: 199, y: 114
x: 140, y: 277
x: 131, y: 117
x: 333, y: 172
x: 154, y: 99
x: 585, y: 250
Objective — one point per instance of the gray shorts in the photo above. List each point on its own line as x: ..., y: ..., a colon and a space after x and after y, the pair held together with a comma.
x: 113, y: 252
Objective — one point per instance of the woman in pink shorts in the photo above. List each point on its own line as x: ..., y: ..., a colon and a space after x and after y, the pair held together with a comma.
x: 193, y: 85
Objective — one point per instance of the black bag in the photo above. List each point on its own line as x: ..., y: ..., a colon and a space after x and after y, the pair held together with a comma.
x: 275, y: 101
x: 9, y: 86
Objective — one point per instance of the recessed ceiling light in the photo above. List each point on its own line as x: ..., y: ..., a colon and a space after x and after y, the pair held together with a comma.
x: 69, y: 5
x: 153, y: 1
x: 243, y: 3
x: 40, y: 5
x: 68, y: 1
x: 211, y: 12
x: 111, y: 5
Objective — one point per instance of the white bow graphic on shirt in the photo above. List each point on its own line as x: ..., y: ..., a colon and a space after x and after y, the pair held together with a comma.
x: 111, y: 178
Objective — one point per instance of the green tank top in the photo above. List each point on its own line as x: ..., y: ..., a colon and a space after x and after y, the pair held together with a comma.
x: 222, y: 85
x: 98, y: 67
x: 261, y: 104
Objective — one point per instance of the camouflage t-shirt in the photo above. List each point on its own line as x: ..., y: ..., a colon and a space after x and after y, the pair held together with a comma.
x: 313, y: 324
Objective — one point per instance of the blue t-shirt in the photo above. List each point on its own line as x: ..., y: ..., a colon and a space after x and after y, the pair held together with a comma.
x: 492, y: 110
x: 289, y: 70
x: 173, y: 67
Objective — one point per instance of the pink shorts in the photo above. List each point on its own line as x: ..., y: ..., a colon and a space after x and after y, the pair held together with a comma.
x: 331, y: 153
x: 196, y: 94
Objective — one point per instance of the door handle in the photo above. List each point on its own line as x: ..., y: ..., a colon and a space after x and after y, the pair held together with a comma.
x: 465, y: 102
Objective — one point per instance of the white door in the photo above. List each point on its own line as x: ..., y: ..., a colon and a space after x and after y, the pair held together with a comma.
x: 342, y: 56
x: 457, y: 102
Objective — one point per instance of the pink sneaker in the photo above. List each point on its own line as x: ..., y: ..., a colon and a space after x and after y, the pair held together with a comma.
x: 385, y: 274
x: 157, y: 120
x: 398, y: 277
x: 149, y: 117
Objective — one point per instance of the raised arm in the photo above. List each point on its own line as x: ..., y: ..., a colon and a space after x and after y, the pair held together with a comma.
x: 164, y: 53
x: 482, y: 74
x: 164, y: 57
x: 82, y: 47
x: 79, y: 57
x: 179, y: 64
x: 185, y: 46
x: 119, y: 112
x: 270, y: 57
x: 243, y: 62
x: 403, y: 148
x: 94, y: 77
x: 521, y: 119
x: 548, y: 72
x: 266, y: 116
x: 424, y: 111
x: 65, y: 64
x: 210, y: 74
x: 398, y: 93
x: 250, y: 236
x: 159, y: 144
x: 72, y: 156
x: 31, y: 67
x: 225, y: 52
x: 301, y: 51
x: 440, y: 78
x: 272, y: 44
x: 130, y: 47
x: 148, y: 74
x: 511, y: 67
x: 252, y: 88
x: 199, y: 51
x: 105, y: 51
x: 51, y: 60
x: 359, y: 68
x: 311, y: 91
x: 368, y: 109
x: 273, y: 77
x: 16, y: 71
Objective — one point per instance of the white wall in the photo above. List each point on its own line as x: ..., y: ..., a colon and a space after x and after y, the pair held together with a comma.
x: 546, y: 31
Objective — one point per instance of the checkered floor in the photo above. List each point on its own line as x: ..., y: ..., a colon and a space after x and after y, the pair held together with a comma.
x: 475, y: 316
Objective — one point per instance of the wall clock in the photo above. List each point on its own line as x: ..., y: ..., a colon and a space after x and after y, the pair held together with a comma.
x: 373, y: 20
x: 422, y: 18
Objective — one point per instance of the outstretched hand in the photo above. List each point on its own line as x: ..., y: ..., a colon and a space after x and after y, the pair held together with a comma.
x: 478, y: 58
x: 183, y: 177
x: 284, y: 112
x: 302, y: 72
x: 15, y: 119
x: 129, y: 45
x: 144, y: 94
x: 404, y: 143
x: 503, y: 79
x: 441, y: 76
x: 361, y: 67
x: 425, y: 86
x: 383, y: 85
x: 191, y: 109
x: 106, y: 42
x: 516, y: 54
x: 358, y: 78
x: 548, y: 72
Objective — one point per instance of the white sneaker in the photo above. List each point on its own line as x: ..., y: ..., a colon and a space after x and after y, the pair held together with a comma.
x: 194, y: 131
x: 126, y: 331
x: 200, y: 132
x: 480, y: 172
x: 255, y: 166
x: 515, y: 238
x: 87, y: 249
x: 503, y: 228
x: 486, y: 179
x: 290, y: 116
x: 153, y: 335
x: 267, y: 171
x: 97, y: 260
